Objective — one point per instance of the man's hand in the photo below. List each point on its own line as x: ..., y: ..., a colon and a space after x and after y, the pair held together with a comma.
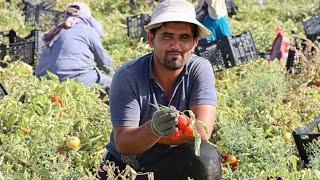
x: 164, y: 121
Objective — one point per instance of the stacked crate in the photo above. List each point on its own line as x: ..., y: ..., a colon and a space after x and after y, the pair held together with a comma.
x: 228, y: 51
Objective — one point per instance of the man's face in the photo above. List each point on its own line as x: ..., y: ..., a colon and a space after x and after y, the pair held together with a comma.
x: 173, y: 44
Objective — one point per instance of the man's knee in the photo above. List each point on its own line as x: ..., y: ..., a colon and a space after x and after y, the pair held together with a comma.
x: 208, y: 164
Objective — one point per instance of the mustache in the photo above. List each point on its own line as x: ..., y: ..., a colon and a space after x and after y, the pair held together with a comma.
x: 174, y: 51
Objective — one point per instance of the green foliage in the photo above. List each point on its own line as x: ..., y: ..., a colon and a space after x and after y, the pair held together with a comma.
x: 263, y: 21
x: 34, y: 129
x: 259, y: 104
x: 255, y: 117
x: 260, y: 157
x: 314, y: 150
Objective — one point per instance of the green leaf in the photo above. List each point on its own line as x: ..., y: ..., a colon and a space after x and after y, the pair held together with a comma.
x: 53, y: 76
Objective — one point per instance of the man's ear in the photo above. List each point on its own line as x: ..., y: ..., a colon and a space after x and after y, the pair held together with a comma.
x: 196, y: 40
x: 150, y: 37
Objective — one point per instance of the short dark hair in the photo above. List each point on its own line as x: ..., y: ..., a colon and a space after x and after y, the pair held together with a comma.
x: 194, y: 29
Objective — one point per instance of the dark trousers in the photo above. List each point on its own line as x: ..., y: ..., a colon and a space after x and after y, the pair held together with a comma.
x: 179, y: 163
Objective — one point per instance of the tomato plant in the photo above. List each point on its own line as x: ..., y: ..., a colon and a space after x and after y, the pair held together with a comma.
x: 259, y: 103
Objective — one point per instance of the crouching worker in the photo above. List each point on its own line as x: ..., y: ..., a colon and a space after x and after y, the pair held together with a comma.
x: 73, y: 49
x: 147, y: 94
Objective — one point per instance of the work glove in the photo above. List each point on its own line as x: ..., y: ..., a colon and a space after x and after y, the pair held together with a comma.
x: 164, y: 121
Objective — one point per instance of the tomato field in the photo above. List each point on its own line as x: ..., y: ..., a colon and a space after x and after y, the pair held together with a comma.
x: 52, y: 130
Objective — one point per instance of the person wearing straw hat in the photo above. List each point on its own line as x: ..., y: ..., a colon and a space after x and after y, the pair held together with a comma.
x: 147, y: 94
x: 73, y: 49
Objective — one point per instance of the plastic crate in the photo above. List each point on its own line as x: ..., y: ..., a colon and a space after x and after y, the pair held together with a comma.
x: 45, y: 4
x: 239, y: 49
x: 232, y: 8
x: 312, y: 27
x: 10, y: 37
x: 18, y: 48
x: 211, y: 51
x: 135, y: 25
x: 304, y: 136
x: 42, y: 17
x: 3, y: 92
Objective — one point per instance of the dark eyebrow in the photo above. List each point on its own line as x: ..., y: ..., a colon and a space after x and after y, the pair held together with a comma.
x: 167, y: 33
x: 171, y: 34
x: 186, y: 35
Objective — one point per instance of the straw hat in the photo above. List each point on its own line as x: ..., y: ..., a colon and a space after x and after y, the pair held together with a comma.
x: 175, y: 10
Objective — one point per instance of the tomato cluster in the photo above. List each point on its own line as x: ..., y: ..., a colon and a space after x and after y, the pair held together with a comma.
x: 184, y: 128
x: 229, y: 159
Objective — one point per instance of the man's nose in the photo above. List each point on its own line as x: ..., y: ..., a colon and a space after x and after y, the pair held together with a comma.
x: 175, y: 43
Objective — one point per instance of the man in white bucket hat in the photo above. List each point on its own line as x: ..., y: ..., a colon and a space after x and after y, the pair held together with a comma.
x: 148, y: 94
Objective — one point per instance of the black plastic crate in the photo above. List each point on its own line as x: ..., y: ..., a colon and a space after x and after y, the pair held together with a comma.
x: 45, y: 4
x: 135, y: 25
x: 212, y: 52
x: 36, y: 37
x: 10, y: 36
x: 42, y: 17
x: 3, y: 92
x: 232, y: 8
x: 304, y: 136
x: 18, y: 48
x: 23, y: 51
x: 312, y: 27
x: 239, y: 49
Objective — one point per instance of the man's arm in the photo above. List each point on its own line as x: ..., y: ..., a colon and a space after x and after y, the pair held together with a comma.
x: 207, y: 115
x: 101, y: 56
x: 133, y: 141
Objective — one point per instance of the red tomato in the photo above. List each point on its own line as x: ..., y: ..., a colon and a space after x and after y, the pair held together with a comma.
x: 317, y: 83
x: 176, y: 136
x: 233, y: 161
x: 183, y: 122
x: 57, y: 99
x: 188, y: 132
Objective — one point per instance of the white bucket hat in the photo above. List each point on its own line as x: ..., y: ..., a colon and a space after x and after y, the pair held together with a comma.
x: 175, y: 10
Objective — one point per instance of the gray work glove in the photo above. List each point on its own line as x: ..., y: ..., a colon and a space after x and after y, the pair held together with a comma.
x: 164, y: 121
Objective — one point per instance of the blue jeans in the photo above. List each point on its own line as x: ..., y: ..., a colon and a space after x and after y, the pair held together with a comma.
x: 178, y: 163
x: 94, y: 77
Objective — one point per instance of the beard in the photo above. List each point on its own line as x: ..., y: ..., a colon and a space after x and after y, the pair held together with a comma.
x: 173, y: 63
